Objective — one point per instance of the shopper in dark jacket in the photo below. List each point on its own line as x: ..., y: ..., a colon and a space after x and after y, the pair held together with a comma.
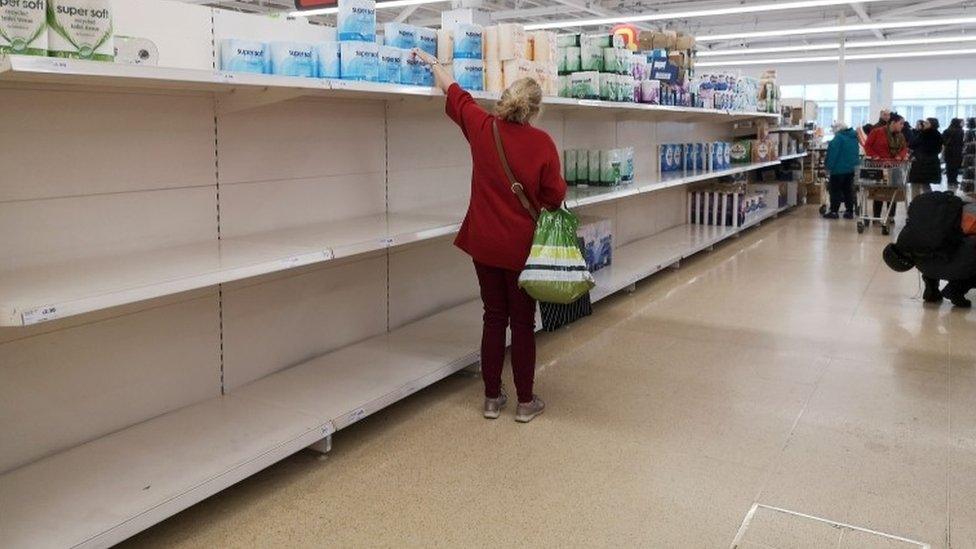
x: 953, y: 141
x: 926, y: 167
x: 843, y: 157
x: 959, y: 269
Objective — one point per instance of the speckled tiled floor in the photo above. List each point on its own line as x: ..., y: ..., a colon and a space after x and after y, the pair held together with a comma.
x: 788, y: 368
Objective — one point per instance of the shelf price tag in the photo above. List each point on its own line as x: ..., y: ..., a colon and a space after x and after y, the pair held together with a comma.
x: 221, y: 76
x: 59, y: 64
x: 386, y: 241
x: 38, y: 315
x: 357, y: 415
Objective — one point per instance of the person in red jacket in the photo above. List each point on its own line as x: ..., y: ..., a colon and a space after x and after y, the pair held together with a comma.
x: 497, y: 230
x: 887, y: 142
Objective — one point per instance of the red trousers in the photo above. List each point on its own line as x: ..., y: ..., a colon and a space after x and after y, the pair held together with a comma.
x: 506, y: 304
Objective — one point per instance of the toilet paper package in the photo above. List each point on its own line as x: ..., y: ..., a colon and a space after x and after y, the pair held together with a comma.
x: 468, y: 41
x: 610, y: 167
x: 563, y: 89
x: 569, y: 166
x: 359, y: 60
x: 327, y: 57
x: 445, y: 46
x: 293, y: 59
x: 627, y: 164
x: 391, y: 59
x: 494, y: 77
x: 611, y: 60
x: 582, y: 167
x: 573, y: 61
x: 23, y: 27
x: 593, y: 159
x: 511, y: 41
x: 490, y: 44
x: 567, y: 40
x: 427, y: 40
x: 650, y: 92
x: 356, y: 20
x: 244, y: 56
x: 516, y: 69
x: 399, y: 35
x: 584, y: 85
x: 591, y: 58
x: 80, y: 29
x: 544, y: 46
x: 470, y: 74
x: 561, y: 60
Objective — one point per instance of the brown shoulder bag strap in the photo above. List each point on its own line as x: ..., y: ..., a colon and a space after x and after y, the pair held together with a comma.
x: 517, y: 187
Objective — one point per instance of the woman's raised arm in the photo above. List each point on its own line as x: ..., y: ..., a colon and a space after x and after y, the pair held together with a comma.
x: 442, y: 77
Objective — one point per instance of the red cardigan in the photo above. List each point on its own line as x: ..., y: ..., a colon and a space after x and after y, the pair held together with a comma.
x: 497, y: 231
x: 877, y: 145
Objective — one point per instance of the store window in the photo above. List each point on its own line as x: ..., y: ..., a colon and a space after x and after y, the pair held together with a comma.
x: 942, y: 99
x: 857, y: 102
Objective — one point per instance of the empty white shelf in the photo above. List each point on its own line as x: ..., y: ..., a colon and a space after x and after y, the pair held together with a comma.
x: 793, y: 156
x: 99, y: 493
x: 102, y: 492
x: 269, y: 88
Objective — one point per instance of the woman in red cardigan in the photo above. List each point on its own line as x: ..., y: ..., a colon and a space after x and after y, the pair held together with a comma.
x: 497, y: 230
x: 887, y: 142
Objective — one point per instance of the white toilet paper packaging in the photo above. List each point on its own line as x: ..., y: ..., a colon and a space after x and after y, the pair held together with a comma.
x: 244, y: 56
x: 544, y: 46
x: 573, y: 60
x: 80, y: 29
x: 610, y: 167
x: 591, y: 58
x: 490, y: 43
x: 356, y: 20
x: 328, y: 59
x: 23, y: 27
x: 511, y: 41
x: 427, y: 40
x: 468, y: 40
x: 567, y: 40
x: 445, y: 46
x: 494, y: 77
x: 293, y: 59
x: 391, y: 60
x: 399, y: 35
x: 516, y: 69
x: 470, y: 74
x: 359, y: 61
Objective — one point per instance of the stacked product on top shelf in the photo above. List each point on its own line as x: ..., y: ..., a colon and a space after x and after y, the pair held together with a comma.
x: 598, y: 168
x: 76, y: 29
x: 769, y: 93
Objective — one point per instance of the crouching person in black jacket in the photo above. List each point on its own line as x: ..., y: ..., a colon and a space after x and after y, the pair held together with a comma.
x: 959, y: 270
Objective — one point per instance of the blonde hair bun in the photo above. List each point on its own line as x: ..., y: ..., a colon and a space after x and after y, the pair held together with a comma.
x: 521, y: 102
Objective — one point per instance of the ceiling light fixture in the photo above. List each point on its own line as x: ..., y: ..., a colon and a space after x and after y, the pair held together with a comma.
x: 691, y: 14
x: 379, y: 6
x: 840, y: 28
x: 857, y: 57
x: 836, y: 46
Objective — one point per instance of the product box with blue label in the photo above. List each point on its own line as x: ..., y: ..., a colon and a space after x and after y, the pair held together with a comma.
x: 356, y: 20
x: 244, y: 56
x: 470, y: 73
x: 400, y: 35
x: 391, y: 59
x: 360, y: 61
x: 294, y: 59
x: 468, y: 41
x: 329, y: 63
x: 427, y: 40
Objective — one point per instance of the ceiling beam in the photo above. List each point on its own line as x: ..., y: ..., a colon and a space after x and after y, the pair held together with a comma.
x: 914, y: 8
x: 864, y: 17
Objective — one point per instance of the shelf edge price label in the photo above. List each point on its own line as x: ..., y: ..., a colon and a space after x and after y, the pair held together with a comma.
x: 357, y: 415
x: 38, y: 315
x: 222, y: 76
x: 386, y: 241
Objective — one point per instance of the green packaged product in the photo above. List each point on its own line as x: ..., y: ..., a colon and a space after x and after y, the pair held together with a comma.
x: 611, y: 60
x: 591, y: 58
x: 565, y: 40
x: 598, y: 40
x: 569, y: 166
x: 23, y: 27
x: 594, y: 162
x: 561, y: 60
x: 574, y: 62
x: 80, y: 29
x: 584, y: 85
x: 741, y: 152
x: 610, y: 168
x: 582, y: 167
x: 564, y: 89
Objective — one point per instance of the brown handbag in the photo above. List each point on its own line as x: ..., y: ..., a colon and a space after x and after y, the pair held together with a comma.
x: 517, y: 187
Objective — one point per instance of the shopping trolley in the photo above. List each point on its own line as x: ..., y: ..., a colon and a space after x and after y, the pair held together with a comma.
x: 880, y: 180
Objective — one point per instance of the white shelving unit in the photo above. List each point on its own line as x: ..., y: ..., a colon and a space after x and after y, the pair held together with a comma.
x: 217, y: 270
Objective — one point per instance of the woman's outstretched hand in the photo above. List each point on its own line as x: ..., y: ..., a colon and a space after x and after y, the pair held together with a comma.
x: 443, y: 78
x: 424, y: 56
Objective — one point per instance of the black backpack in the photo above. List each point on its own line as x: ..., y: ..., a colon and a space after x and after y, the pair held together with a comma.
x: 934, y: 227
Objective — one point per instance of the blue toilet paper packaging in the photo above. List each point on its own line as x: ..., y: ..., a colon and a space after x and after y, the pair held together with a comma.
x: 244, y: 56
x: 400, y: 35
x: 391, y: 59
x: 359, y: 61
x: 468, y: 40
x: 411, y: 70
x: 356, y: 20
x: 293, y: 59
x: 327, y: 56
x: 470, y: 73
x: 427, y: 40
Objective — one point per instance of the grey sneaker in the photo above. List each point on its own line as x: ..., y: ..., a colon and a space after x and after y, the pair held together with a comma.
x: 493, y: 406
x: 528, y: 411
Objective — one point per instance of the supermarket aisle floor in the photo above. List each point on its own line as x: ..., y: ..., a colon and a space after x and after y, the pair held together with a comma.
x: 788, y: 368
